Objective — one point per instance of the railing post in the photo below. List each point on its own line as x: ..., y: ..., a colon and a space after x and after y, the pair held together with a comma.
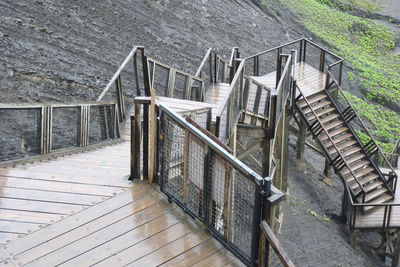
x: 322, y: 61
x: 84, y: 128
x: 120, y: 98
x: 46, y: 129
x: 136, y: 141
x: 278, y: 66
x: 146, y: 73
x: 260, y: 249
x: 304, y: 50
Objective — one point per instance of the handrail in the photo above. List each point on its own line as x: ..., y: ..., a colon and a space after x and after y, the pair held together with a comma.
x: 333, y: 143
x: 273, y: 49
x: 54, y: 104
x: 232, y: 85
x: 275, y: 244
x: 115, y: 76
x: 293, y: 42
x: 234, y: 54
x: 221, y: 151
x: 329, y: 74
x: 203, y: 62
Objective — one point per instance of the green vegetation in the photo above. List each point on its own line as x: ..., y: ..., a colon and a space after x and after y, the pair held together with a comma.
x: 351, y: 4
x: 350, y: 76
x: 367, y: 46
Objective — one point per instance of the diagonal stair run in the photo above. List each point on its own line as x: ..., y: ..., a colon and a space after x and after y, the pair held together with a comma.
x: 350, y: 159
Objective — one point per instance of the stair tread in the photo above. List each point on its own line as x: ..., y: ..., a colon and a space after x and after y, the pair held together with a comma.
x: 370, y: 186
x: 307, y: 110
x: 364, y: 180
x: 312, y: 99
x: 342, y: 146
x: 322, y: 112
x: 382, y: 199
x: 375, y: 193
x: 356, y: 166
x: 351, y: 151
x: 333, y: 125
x: 334, y: 133
x: 339, y: 139
x: 329, y: 118
x: 352, y: 158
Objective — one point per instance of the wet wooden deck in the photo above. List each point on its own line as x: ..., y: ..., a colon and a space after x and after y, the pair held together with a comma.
x: 217, y: 96
x: 374, y: 218
x: 309, y: 79
x: 81, y: 210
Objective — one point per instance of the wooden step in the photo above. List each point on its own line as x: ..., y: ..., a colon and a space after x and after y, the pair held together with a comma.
x: 353, y: 158
x: 339, y: 139
x: 333, y: 125
x: 375, y: 193
x: 351, y: 151
x: 342, y: 146
x: 364, y: 180
x: 311, y: 99
x: 370, y: 186
x: 333, y: 133
x: 329, y: 118
x: 356, y: 167
x: 322, y: 104
x: 382, y: 199
x: 322, y: 112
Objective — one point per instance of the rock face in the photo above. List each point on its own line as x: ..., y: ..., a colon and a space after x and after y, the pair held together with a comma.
x: 57, y: 50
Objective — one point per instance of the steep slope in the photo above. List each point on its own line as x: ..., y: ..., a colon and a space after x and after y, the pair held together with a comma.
x: 56, y: 50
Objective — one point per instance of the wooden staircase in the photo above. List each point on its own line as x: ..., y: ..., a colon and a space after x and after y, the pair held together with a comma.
x: 350, y: 159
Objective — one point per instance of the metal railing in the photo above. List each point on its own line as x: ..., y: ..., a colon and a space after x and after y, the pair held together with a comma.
x: 309, y: 52
x: 355, y: 211
x: 211, y: 185
x: 39, y: 129
x: 360, y: 132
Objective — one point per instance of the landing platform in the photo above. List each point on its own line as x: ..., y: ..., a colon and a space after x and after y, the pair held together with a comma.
x: 81, y: 210
x: 309, y: 79
x: 374, y: 218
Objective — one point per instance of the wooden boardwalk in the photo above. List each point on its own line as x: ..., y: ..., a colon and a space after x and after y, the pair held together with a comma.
x: 309, y: 79
x: 63, y: 212
x: 374, y: 218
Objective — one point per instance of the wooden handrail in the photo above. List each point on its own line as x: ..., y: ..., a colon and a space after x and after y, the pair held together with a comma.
x: 276, y: 245
x: 118, y: 73
x: 203, y: 62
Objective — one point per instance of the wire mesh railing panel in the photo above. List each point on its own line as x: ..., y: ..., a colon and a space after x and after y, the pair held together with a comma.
x: 219, y: 173
x: 313, y: 54
x: 65, y: 127
x: 208, y: 184
x: 160, y: 79
x: 102, y: 124
x: 202, y: 118
x: 196, y: 90
x: 195, y: 181
x: 180, y: 85
x: 172, y: 159
x: 242, y: 212
x: 19, y: 133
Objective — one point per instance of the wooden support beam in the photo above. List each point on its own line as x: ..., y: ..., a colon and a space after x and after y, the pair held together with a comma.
x: 136, y: 138
x: 250, y: 149
x: 153, y: 134
x: 252, y: 159
x: 301, y: 143
x: 251, y: 131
